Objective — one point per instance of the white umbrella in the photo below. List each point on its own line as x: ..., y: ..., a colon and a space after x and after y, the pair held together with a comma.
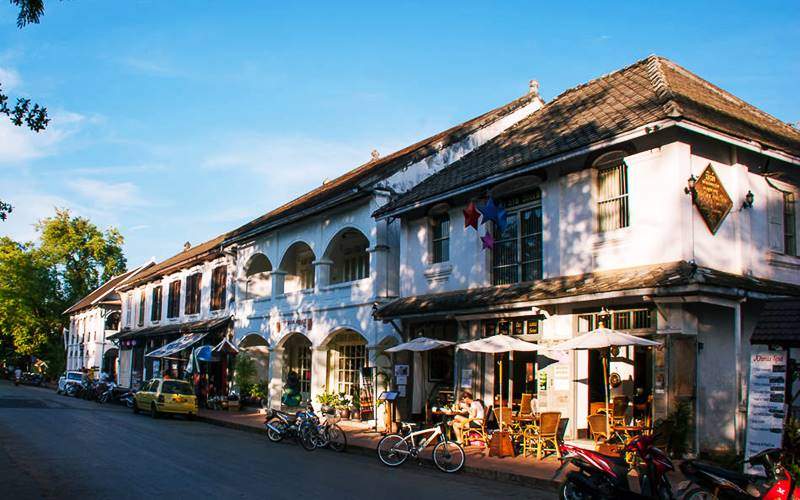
x: 603, y: 338
x: 497, y: 344
x: 420, y: 344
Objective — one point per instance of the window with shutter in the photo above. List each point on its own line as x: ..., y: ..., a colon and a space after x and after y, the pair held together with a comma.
x: 517, y: 252
x: 612, y: 192
x: 218, y: 288
x: 155, y: 307
x: 174, y: 299
x: 789, y: 225
x: 193, y: 293
x: 141, y: 309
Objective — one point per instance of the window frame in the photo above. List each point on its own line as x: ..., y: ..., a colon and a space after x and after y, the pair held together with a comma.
x: 219, y: 285
x: 140, y: 319
x: 789, y: 223
x: 604, y: 164
x: 156, y: 303
x: 441, y: 223
x: 516, y: 210
x: 194, y: 290
x: 174, y: 299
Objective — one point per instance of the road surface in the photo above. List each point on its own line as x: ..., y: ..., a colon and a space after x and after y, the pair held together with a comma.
x: 58, y: 447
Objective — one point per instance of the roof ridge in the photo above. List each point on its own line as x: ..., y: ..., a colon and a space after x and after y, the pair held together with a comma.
x: 661, y: 85
x: 730, y: 97
x: 601, y: 77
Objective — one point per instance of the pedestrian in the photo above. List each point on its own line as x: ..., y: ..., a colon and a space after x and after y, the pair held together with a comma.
x: 17, y: 375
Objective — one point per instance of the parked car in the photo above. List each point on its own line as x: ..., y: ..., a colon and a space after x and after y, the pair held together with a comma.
x: 68, y: 378
x: 166, y: 396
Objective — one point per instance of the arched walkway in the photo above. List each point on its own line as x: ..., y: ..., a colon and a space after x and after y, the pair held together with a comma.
x: 297, y: 263
x: 348, y: 253
x: 258, y: 282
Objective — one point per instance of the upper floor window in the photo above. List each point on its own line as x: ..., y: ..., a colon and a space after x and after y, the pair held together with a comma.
x: 174, y: 299
x: 219, y: 282
x: 155, y: 307
x: 193, y: 293
x: 128, y: 310
x: 517, y: 253
x: 259, y: 283
x: 612, y: 191
x: 789, y: 224
x: 622, y: 319
x: 440, y: 225
x: 140, y: 322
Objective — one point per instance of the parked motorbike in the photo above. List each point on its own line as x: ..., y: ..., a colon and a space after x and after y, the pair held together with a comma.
x: 709, y: 481
x: 106, y: 392
x: 300, y: 426
x: 126, y: 398
x: 601, y: 476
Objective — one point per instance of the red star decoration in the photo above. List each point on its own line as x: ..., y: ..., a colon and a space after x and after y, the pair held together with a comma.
x: 471, y: 216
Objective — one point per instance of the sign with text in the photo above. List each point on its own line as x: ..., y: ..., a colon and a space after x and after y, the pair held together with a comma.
x: 711, y: 199
x: 766, y: 405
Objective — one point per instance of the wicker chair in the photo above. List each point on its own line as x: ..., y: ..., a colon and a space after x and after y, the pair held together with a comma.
x: 598, y: 428
x: 547, y: 436
x: 525, y: 405
x: 620, y: 407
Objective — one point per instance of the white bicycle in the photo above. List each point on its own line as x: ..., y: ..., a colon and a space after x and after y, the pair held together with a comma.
x: 394, y: 449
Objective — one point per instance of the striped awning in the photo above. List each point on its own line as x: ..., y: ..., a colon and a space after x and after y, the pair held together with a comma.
x: 182, y: 343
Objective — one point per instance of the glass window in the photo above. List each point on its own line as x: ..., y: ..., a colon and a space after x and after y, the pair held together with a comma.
x: 628, y: 319
x: 612, y: 192
x: 441, y: 238
x: 517, y: 253
x: 177, y: 387
x: 351, y: 359
x: 789, y: 225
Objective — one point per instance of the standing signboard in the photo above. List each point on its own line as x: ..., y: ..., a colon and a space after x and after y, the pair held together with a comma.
x: 766, y: 402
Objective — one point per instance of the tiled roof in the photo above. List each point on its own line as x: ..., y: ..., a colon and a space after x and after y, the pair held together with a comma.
x: 100, y: 292
x: 384, y: 166
x: 202, y: 326
x: 779, y: 323
x: 647, y: 91
x: 208, y: 250
x: 659, y: 276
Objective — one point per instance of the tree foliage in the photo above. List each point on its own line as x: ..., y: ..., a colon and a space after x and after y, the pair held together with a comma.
x: 30, y: 11
x: 39, y: 281
x: 5, y: 209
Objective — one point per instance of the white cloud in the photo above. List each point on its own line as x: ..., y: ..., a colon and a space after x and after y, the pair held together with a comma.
x: 29, y: 208
x: 10, y: 79
x: 108, y: 195
x: 20, y: 144
x: 149, y: 66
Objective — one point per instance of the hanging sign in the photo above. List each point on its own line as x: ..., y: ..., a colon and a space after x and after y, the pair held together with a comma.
x: 766, y: 403
x: 711, y: 199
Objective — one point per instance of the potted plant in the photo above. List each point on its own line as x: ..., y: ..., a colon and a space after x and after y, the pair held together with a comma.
x: 260, y: 393
x: 356, y: 407
x: 329, y: 401
x: 343, y: 405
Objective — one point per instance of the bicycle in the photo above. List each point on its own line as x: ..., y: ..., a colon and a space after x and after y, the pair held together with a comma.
x: 328, y: 434
x: 448, y: 456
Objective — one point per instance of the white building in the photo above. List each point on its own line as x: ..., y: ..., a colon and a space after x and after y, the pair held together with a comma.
x: 595, y: 190
x: 91, y: 321
x: 187, y: 294
x: 310, y: 273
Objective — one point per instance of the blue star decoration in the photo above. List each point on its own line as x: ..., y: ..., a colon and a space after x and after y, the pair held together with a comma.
x: 489, y: 211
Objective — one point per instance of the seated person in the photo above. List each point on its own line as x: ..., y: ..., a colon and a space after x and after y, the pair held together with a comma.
x: 291, y: 392
x: 474, y: 417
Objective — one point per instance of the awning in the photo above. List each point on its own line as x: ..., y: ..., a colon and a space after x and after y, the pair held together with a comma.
x: 498, y: 344
x: 420, y: 344
x: 176, y: 345
x: 778, y: 324
x: 202, y: 326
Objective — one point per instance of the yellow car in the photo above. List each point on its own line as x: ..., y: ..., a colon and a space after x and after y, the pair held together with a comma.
x: 166, y: 396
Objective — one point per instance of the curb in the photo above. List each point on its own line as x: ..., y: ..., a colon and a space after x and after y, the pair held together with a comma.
x: 490, y: 474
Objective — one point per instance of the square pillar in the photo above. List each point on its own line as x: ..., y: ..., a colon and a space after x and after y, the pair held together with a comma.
x: 322, y: 273
x: 319, y: 373
x: 278, y: 279
x: 275, y: 376
x: 378, y: 271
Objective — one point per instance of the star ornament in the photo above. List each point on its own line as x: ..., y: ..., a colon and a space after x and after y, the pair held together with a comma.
x: 471, y: 216
x: 487, y: 242
x: 489, y: 211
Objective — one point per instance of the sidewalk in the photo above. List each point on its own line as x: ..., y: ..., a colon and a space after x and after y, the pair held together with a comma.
x: 360, y: 439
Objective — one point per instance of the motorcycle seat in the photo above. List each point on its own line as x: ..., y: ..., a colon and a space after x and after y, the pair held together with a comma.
x: 732, y: 476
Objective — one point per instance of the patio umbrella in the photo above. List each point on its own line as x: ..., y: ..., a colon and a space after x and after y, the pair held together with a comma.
x: 498, y: 344
x: 603, y: 338
x: 421, y: 344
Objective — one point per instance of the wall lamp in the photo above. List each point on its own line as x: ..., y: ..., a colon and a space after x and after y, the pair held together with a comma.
x: 690, y: 184
x: 749, y: 198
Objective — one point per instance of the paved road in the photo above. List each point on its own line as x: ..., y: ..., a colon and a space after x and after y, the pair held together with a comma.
x: 57, y: 447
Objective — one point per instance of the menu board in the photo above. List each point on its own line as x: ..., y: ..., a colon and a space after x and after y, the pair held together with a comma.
x: 766, y: 405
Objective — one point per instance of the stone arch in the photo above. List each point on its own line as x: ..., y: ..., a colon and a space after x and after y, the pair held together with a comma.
x: 346, y: 354
x: 256, y: 347
x: 348, y: 253
x: 297, y: 263
x: 253, y: 340
x: 258, y: 280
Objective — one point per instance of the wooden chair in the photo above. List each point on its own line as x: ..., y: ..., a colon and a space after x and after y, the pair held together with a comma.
x: 620, y: 408
x: 547, y: 435
x: 598, y: 428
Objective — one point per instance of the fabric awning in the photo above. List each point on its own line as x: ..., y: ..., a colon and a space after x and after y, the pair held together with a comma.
x: 421, y: 344
x: 202, y: 326
x: 602, y: 338
x: 176, y: 345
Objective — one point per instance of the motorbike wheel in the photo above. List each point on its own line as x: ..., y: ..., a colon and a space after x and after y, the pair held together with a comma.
x: 698, y: 493
x: 276, y: 435
x: 307, y: 437
x: 571, y: 491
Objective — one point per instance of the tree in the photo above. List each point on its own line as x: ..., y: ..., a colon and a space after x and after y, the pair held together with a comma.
x: 5, y: 209
x: 38, y: 282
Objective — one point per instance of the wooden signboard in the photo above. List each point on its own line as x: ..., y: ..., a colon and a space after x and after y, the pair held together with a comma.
x: 711, y: 199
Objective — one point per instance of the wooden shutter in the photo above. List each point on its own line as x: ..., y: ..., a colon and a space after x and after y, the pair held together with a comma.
x: 775, y: 219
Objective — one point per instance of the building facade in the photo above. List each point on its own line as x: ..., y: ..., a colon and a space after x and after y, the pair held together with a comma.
x: 648, y: 201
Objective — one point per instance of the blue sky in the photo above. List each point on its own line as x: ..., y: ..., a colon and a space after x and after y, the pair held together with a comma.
x: 176, y: 121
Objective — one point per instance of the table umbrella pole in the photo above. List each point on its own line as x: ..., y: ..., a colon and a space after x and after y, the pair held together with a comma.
x: 605, y: 385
